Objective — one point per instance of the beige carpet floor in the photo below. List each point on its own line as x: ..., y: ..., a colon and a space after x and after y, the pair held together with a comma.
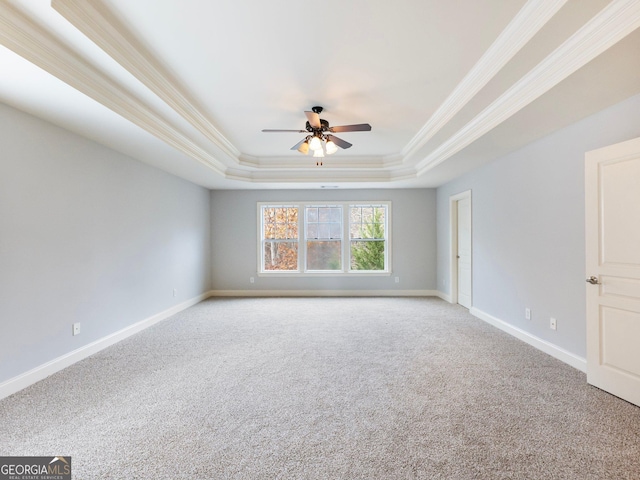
x: 324, y: 388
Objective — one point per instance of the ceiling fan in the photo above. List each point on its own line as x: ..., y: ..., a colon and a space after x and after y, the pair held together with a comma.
x: 320, y: 138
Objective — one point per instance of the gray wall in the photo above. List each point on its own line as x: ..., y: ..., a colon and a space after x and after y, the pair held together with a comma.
x: 235, y: 237
x: 528, y: 228
x: 88, y: 235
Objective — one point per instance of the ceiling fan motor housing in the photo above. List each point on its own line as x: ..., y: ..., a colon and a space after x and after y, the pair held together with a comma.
x: 324, y: 126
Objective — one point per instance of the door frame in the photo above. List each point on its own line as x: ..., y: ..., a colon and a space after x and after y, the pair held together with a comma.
x: 453, y: 247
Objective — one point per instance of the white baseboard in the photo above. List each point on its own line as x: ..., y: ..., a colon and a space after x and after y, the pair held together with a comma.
x: 15, y: 384
x: 444, y: 296
x: 547, y: 347
x: 323, y: 293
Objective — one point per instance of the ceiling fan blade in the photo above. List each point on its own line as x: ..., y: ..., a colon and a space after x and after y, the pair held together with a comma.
x: 297, y: 145
x: 360, y: 127
x: 338, y: 141
x: 268, y: 130
x: 314, y: 119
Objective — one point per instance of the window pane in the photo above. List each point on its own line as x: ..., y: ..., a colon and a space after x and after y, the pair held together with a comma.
x: 324, y: 255
x: 367, y: 255
x: 269, y: 212
x: 280, y: 222
x: 356, y: 230
x: 324, y: 214
x: 367, y: 222
x: 292, y: 221
x: 281, y: 255
x: 324, y: 223
x: 336, y: 230
x: 355, y: 223
x: 323, y: 231
x: 269, y: 222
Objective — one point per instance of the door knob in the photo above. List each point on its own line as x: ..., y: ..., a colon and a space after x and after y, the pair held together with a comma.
x: 593, y: 280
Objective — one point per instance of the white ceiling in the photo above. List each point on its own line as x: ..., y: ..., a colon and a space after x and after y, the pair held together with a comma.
x: 188, y: 85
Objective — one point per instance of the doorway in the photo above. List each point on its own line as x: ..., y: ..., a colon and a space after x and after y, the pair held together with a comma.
x: 461, y: 248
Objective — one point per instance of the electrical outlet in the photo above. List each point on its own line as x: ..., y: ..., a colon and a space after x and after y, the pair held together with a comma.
x: 527, y: 313
x: 76, y: 328
x: 175, y: 292
x: 552, y: 323
x: 252, y: 280
x: 397, y: 279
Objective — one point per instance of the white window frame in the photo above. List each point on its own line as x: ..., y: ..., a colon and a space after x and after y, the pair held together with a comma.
x: 262, y: 241
x: 302, y: 240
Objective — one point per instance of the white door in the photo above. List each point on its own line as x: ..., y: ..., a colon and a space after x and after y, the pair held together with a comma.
x: 462, y: 248
x: 612, y: 182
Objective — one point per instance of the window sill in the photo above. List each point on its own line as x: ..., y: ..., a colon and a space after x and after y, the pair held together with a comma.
x: 323, y: 274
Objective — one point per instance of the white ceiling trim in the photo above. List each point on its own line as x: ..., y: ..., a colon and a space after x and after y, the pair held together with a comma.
x: 323, y: 175
x: 94, y: 19
x: 362, y: 162
x: 529, y: 20
x: 608, y: 27
x: 26, y: 38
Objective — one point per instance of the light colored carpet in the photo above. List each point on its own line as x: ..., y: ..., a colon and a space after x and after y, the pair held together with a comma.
x: 324, y: 388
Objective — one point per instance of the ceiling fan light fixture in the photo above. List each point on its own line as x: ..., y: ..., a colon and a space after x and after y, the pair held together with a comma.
x: 331, y: 147
x: 304, y: 147
x: 319, y: 135
x: 315, y: 144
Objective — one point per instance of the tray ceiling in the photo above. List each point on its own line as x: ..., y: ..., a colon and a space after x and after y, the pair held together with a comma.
x: 188, y: 86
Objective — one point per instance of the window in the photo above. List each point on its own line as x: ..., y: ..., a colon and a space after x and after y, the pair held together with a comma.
x: 280, y: 238
x: 368, y: 237
x: 324, y: 238
x: 323, y: 235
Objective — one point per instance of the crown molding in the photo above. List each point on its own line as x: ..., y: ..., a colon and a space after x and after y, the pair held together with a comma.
x: 395, y: 160
x: 612, y: 24
x: 529, y: 20
x: 311, y: 174
x: 98, y: 23
x: 305, y: 161
x: 25, y: 37
x: 325, y: 174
